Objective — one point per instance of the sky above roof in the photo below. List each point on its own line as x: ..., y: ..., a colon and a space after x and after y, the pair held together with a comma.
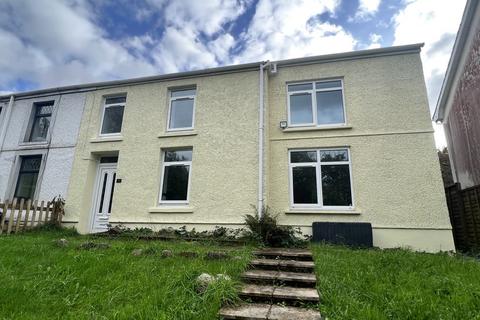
x: 49, y: 43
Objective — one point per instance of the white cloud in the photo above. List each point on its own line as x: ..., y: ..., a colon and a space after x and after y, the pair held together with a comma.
x: 50, y: 44
x: 366, y: 10
x: 375, y: 39
x: 435, y: 23
x: 282, y: 29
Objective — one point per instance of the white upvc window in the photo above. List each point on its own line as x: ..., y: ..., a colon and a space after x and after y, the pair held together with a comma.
x: 112, y: 116
x: 321, y: 178
x: 176, y: 174
x: 181, y: 109
x: 316, y: 103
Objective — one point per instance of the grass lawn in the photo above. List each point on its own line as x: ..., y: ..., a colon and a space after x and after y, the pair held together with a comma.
x: 396, y: 284
x: 39, y: 280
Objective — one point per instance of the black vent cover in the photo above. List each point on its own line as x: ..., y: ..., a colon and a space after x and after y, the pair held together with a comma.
x: 358, y: 234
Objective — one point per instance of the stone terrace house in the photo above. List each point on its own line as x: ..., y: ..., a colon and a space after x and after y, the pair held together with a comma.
x: 342, y: 138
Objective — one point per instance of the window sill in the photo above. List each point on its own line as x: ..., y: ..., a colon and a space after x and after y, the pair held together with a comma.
x: 322, y: 212
x: 106, y: 139
x: 324, y: 128
x: 177, y: 134
x: 171, y: 209
x: 33, y: 143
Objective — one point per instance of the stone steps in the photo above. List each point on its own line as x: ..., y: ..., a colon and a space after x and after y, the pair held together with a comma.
x: 282, y: 276
x: 268, y: 311
x: 284, y: 265
x: 289, y: 295
x: 275, y: 277
x: 284, y: 254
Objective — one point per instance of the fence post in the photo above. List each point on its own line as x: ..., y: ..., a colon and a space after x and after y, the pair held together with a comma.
x: 12, y: 216
x: 27, y: 214
x: 4, y: 215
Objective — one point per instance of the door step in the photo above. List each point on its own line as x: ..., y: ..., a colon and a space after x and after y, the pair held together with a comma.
x: 267, y: 311
x: 295, y: 279
x: 284, y: 265
x: 291, y: 295
x: 284, y: 254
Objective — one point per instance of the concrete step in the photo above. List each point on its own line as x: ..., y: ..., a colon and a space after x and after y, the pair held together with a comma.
x: 290, y: 295
x: 267, y: 311
x: 285, y: 254
x: 294, y: 279
x: 284, y: 265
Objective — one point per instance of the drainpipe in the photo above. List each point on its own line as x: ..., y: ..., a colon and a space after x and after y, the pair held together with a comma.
x: 261, y: 129
x: 5, y: 121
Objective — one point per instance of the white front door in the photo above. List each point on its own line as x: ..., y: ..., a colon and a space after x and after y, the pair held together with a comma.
x: 103, y: 196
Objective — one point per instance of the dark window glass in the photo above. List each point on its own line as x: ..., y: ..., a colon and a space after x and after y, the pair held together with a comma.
x: 301, y: 108
x: 41, y: 122
x: 108, y: 159
x: 336, y: 189
x: 27, y: 177
x: 183, y: 93
x: 328, y: 84
x: 112, y: 119
x: 175, y: 183
x: 330, y: 107
x: 111, y: 193
x: 303, y: 156
x: 304, y: 185
x: 181, y: 113
x: 104, y: 189
x: 300, y: 87
x: 178, y: 155
x: 113, y: 100
x: 333, y: 155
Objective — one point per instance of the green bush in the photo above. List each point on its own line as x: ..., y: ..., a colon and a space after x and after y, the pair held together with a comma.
x: 265, y: 229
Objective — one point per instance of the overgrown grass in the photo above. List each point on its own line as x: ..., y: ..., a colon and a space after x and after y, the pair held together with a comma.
x: 396, y: 284
x: 39, y: 280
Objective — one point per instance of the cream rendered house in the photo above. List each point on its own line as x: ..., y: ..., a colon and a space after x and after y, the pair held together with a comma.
x: 343, y: 138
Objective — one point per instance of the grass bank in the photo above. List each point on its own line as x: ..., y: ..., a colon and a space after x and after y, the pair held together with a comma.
x: 396, y: 284
x: 40, y: 280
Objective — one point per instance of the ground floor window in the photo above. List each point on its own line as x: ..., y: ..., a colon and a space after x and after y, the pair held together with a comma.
x: 321, y: 178
x: 176, y: 171
x: 27, y: 176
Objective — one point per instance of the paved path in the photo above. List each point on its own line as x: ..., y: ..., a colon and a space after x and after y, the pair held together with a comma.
x: 279, y: 280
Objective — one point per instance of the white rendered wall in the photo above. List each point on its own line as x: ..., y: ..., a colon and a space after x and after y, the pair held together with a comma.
x: 58, y: 150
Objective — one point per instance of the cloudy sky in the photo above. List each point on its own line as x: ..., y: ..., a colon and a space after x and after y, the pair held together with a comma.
x: 48, y: 43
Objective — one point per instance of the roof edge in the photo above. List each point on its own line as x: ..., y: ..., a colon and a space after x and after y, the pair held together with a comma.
x: 369, y: 53
x: 454, y: 61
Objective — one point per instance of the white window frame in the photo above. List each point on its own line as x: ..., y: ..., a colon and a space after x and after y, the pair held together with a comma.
x: 313, y: 94
x: 175, y: 163
x: 104, y: 107
x: 171, y: 99
x: 318, y: 172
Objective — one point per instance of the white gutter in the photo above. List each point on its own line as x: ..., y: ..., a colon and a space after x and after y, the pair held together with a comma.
x: 6, y: 121
x: 261, y: 130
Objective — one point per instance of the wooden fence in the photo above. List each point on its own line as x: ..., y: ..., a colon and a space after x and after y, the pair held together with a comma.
x: 464, y: 209
x: 19, y: 215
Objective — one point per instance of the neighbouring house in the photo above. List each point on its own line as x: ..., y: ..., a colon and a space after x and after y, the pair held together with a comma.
x: 458, y: 109
x: 335, y: 138
x: 38, y: 133
x: 458, y: 106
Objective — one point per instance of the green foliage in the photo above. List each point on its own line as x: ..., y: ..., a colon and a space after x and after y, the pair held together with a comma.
x: 266, y: 230
x: 42, y: 281
x: 396, y: 284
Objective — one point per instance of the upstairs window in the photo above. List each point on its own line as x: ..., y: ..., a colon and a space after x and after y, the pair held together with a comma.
x: 318, y: 103
x: 321, y: 178
x: 42, y: 114
x: 27, y: 177
x: 176, y: 176
x: 181, y: 109
x: 112, y: 116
